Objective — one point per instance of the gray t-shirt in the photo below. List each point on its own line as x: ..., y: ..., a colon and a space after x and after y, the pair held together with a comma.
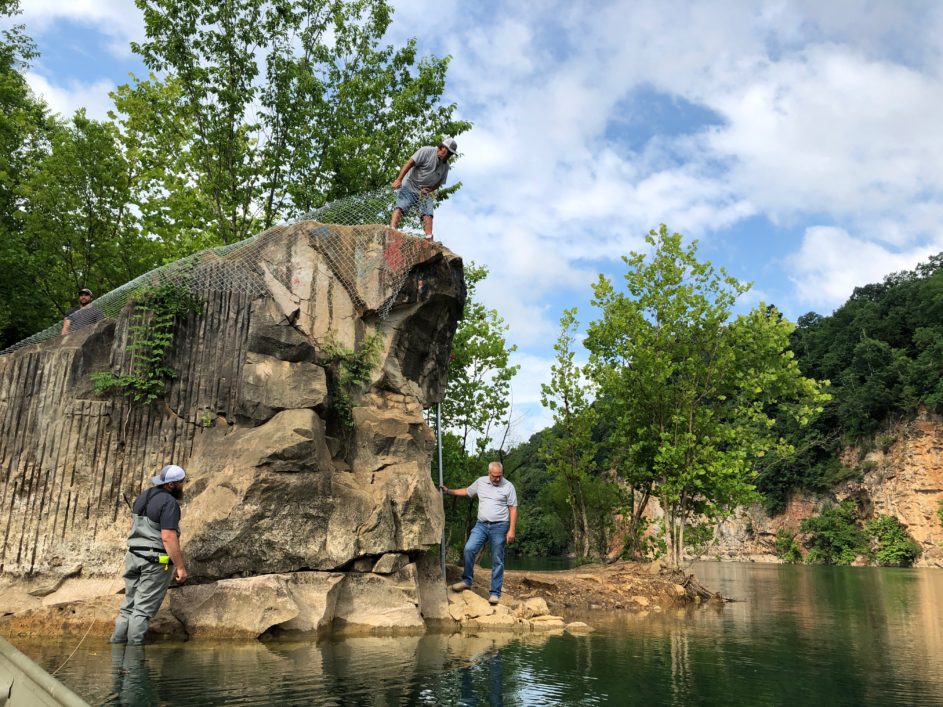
x: 493, y: 501
x: 429, y: 171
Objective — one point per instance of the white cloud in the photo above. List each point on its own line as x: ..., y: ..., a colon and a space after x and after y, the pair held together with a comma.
x: 831, y: 263
x: 67, y: 99
x: 119, y: 20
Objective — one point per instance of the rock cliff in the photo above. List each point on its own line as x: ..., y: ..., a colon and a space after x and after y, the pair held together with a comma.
x: 902, y: 476
x: 317, y: 494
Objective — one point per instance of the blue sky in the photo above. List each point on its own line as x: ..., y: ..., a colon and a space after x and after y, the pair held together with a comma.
x: 800, y: 144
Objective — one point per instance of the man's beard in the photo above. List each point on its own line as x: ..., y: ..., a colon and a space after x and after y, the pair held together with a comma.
x: 176, y: 492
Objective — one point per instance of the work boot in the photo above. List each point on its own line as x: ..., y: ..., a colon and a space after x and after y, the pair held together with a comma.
x: 460, y: 587
x: 494, y: 599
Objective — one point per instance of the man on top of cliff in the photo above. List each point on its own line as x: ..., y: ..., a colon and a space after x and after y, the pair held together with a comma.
x: 83, y: 315
x: 154, y: 557
x: 423, y: 173
x: 497, y: 516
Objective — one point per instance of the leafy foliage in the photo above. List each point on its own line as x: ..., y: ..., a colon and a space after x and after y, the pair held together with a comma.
x: 570, y: 450
x: 477, y: 399
x: 150, y: 337
x: 269, y: 109
x: 350, y: 372
x: 894, y: 547
x: 691, y: 393
x: 252, y: 113
x: 883, y: 353
x: 787, y: 546
x: 834, y: 537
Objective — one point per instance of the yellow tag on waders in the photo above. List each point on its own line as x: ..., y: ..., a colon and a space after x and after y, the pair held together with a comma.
x: 165, y: 561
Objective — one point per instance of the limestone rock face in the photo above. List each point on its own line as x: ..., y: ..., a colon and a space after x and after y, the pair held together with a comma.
x: 282, y: 480
x: 903, y: 479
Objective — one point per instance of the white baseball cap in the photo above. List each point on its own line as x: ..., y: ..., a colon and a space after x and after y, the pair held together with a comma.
x: 449, y: 144
x: 168, y: 475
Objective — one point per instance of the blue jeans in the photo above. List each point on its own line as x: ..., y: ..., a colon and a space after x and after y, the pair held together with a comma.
x: 406, y: 199
x: 495, y: 533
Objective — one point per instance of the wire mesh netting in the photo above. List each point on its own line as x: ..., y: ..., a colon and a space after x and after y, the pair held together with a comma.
x: 236, y: 267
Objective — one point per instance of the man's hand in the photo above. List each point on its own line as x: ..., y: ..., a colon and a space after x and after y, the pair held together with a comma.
x: 444, y: 489
x: 510, y: 536
x: 397, y: 183
x: 180, y: 574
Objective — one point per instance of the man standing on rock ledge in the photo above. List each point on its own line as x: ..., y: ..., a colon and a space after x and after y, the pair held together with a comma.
x: 497, y: 516
x: 422, y: 174
x: 154, y: 557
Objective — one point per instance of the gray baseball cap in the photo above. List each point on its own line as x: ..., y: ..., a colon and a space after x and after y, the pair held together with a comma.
x: 449, y: 144
x: 168, y: 475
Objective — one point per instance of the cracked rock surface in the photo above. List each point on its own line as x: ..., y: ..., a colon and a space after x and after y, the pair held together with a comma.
x: 280, y: 481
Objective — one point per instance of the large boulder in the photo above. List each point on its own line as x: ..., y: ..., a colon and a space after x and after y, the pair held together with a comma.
x: 291, y: 470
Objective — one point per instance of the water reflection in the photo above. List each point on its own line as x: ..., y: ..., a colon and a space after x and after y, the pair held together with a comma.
x: 130, y: 677
x: 799, y: 635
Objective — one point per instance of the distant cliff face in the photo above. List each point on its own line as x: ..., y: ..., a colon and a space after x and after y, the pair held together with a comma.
x: 280, y: 480
x: 903, y: 479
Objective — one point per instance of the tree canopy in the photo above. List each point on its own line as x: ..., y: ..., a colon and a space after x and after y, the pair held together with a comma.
x: 692, y: 392
x: 253, y: 113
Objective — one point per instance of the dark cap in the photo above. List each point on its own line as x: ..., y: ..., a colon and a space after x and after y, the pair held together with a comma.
x: 86, y: 291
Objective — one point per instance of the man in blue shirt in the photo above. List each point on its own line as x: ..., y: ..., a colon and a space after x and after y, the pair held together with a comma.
x: 497, y: 517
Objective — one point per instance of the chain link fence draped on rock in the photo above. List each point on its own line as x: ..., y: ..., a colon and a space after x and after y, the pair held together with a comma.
x: 236, y: 267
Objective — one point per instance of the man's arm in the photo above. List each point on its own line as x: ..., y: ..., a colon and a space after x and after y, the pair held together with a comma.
x: 398, y: 182
x: 453, y: 492
x: 510, y: 535
x: 172, y: 546
x: 66, y: 326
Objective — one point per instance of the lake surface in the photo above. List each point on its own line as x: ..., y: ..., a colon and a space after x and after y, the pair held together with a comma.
x: 797, y: 635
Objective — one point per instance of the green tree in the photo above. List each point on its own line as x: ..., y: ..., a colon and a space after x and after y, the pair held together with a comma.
x: 24, y: 127
x: 571, y: 453
x: 477, y: 400
x: 77, y: 229
x: 834, y: 537
x: 273, y: 108
x: 690, y: 392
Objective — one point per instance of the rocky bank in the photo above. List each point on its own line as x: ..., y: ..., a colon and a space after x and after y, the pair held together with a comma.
x: 901, y: 475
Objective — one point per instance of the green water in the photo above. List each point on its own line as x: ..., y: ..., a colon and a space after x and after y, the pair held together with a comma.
x: 796, y: 635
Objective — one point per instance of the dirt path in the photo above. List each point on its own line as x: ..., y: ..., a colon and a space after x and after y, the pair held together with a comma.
x: 620, y: 585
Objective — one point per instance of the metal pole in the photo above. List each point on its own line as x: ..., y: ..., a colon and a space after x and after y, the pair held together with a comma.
x: 438, y: 441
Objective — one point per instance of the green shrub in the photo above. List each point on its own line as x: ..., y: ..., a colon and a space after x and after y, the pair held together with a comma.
x: 894, y: 546
x: 787, y: 546
x: 886, y: 441
x: 150, y: 338
x: 834, y: 536
x: 939, y: 511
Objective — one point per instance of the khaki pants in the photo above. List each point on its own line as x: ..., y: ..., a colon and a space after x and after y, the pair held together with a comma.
x: 145, y: 584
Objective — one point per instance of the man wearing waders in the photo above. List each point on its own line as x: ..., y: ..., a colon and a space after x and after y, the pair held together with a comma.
x: 153, y: 558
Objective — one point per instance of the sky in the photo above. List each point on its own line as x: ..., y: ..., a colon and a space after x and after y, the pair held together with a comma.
x: 797, y: 141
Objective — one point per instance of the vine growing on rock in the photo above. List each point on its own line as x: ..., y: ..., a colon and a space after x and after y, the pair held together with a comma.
x: 150, y: 338
x: 349, y: 372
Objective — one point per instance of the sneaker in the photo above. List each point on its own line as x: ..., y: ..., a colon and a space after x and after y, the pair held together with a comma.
x: 494, y: 599
x: 460, y: 587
